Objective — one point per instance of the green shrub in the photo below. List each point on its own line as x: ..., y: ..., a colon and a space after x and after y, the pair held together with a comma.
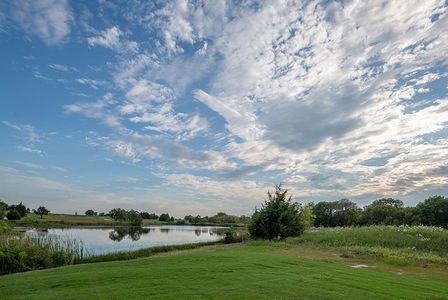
x: 231, y: 236
x: 13, y: 215
x: 24, y: 253
x: 279, y: 217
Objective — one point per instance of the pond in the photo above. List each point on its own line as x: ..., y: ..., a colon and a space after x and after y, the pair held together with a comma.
x: 107, y: 240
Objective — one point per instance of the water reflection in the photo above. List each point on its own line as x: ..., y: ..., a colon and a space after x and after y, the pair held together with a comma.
x: 133, y: 233
x: 107, y: 240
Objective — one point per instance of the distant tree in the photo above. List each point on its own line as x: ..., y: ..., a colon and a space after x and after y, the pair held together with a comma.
x: 189, y: 218
x: 386, y: 211
x: 164, y: 217
x: 118, y: 214
x: 433, y: 211
x: 91, y: 212
x: 307, y: 216
x: 149, y: 216
x: 279, y: 217
x: 41, y: 211
x: 135, y: 218
x: 20, y: 208
x: 345, y: 213
x: 13, y: 215
x: 323, y: 212
x: 337, y: 213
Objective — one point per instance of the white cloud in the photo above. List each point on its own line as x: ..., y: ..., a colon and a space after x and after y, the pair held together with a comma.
x: 96, y: 110
x: 111, y: 38
x: 30, y: 150
x: 307, y: 91
x: 91, y: 82
x: 50, y: 20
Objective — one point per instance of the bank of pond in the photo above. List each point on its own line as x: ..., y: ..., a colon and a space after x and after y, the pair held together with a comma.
x: 34, y: 249
x: 25, y: 249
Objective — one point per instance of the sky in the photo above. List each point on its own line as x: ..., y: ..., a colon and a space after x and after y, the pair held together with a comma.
x: 196, y: 107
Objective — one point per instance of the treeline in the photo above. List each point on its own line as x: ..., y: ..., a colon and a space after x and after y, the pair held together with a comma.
x: 136, y: 218
x: 18, y: 211
x: 387, y: 211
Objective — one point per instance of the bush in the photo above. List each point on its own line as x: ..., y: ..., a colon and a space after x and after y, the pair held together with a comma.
x: 279, y: 217
x: 91, y: 212
x: 434, y: 211
x: 13, y: 215
x: 164, y: 218
x: 135, y: 218
x: 25, y: 253
x: 231, y: 237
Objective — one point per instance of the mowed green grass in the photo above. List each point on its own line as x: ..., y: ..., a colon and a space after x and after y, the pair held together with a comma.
x: 252, y: 271
x: 63, y: 220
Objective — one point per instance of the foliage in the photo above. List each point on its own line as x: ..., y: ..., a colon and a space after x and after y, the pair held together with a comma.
x: 3, y: 207
x: 5, y: 228
x: 279, y: 217
x: 134, y: 218
x: 149, y: 216
x: 404, y: 243
x: 164, y: 217
x: 337, y: 213
x: 118, y: 214
x: 25, y: 253
x: 41, y: 211
x: 386, y: 211
x: 20, y: 208
x: 13, y: 215
x: 434, y: 211
x: 232, y: 236
x: 91, y: 212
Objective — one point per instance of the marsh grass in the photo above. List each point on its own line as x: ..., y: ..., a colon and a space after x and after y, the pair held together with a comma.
x: 19, y: 253
x: 395, y: 245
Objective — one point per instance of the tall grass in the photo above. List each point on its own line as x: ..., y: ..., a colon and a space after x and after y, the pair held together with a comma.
x: 19, y: 253
x: 400, y: 244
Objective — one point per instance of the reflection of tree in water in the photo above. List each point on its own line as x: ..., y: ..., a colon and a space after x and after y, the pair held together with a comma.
x: 197, y: 232
x: 133, y: 233
x: 165, y: 230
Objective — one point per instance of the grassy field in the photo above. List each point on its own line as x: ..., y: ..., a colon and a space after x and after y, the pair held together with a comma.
x: 63, y: 220
x: 343, y: 263
x: 254, y: 271
x: 418, y: 245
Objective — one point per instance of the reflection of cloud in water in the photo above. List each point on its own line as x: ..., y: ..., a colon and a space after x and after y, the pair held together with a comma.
x: 107, y: 240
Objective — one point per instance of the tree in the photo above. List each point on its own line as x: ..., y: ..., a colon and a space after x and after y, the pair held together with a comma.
x: 433, y: 211
x: 337, y: 213
x: 91, y: 212
x: 164, y: 217
x: 323, y: 213
x: 279, y: 217
x: 386, y: 211
x: 135, y: 218
x: 20, y: 208
x: 149, y: 216
x: 41, y: 211
x: 345, y: 213
x: 13, y: 215
x: 118, y: 214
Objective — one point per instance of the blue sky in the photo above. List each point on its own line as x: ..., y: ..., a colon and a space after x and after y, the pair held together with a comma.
x: 195, y: 107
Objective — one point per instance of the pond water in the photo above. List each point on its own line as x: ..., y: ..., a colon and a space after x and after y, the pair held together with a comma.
x: 107, y: 240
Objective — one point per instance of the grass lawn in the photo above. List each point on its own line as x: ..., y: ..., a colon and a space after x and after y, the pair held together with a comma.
x: 252, y: 271
x: 63, y: 220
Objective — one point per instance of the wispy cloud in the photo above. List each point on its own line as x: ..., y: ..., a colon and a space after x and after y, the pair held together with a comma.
x: 50, y: 20
x: 113, y: 38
